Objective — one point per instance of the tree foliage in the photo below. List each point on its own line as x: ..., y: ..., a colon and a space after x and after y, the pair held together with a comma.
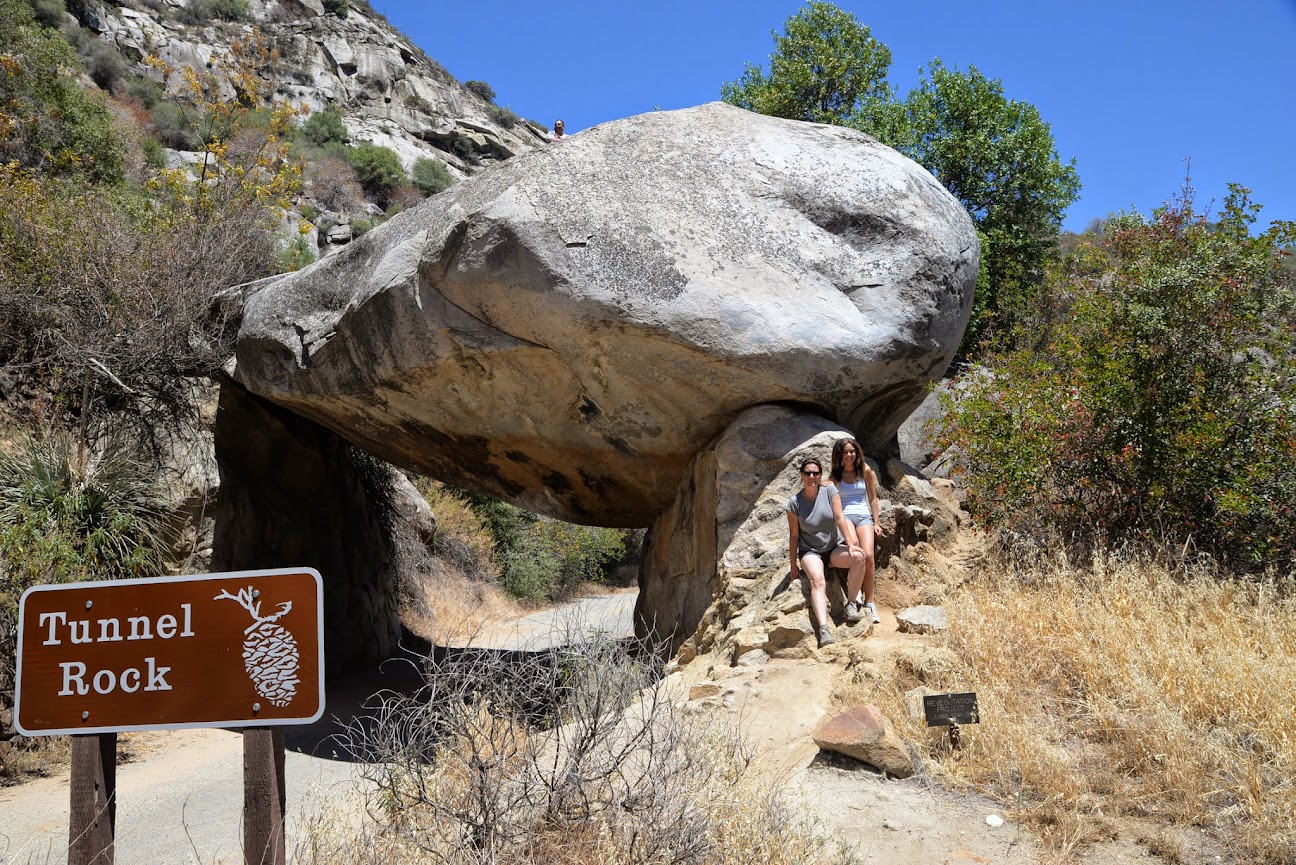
x: 325, y: 127
x: 1160, y: 406
x: 378, y: 168
x: 108, y: 292
x: 47, y: 121
x: 431, y: 175
x: 825, y: 68
x: 482, y: 89
x: 995, y: 154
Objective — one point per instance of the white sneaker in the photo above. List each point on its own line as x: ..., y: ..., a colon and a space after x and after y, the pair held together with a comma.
x: 871, y: 612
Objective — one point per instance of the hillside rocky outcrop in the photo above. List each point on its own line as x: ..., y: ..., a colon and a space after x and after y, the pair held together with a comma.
x: 569, y: 329
x: 387, y: 89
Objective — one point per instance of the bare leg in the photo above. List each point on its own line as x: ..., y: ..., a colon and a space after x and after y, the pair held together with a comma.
x: 813, y: 568
x: 866, y: 537
x: 843, y: 558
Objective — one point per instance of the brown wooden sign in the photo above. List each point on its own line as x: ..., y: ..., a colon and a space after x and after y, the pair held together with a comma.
x: 209, y: 650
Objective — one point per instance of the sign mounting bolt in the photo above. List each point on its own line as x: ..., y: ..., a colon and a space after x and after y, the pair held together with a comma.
x: 89, y: 604
x: 256, y: 707
x: 85, y: 716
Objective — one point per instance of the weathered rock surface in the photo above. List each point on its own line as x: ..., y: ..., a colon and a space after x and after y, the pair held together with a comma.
x: 867, y: 735
x: 714, y: 566
x: 923, y: 619
x: 566, y: 330
x: 388, y: 91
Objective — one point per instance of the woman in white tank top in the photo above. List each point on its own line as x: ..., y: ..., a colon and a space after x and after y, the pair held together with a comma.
x: 857, y: 486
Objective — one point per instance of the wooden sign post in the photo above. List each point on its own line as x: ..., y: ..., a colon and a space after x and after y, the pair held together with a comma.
x: 213, y: 650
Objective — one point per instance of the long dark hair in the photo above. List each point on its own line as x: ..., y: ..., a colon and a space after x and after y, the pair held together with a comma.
x: 838, y: 464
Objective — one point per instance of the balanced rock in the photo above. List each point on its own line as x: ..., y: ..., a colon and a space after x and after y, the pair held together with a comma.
x: 567, y: 329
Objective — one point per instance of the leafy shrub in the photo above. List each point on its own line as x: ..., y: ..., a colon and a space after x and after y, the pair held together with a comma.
x: 173, y: 129
x: 378, y: 168
x: 1158, y: 407
x: 480, y: 88
x: 324, y: 127
x: 462, y: 535
x: 146, y: 90
x: 295, y: 256
x: 536, y: 124
x: 340, y: 8
x: 544, y: 558
x: 48, y: 121
x: 49, y: 12
x: 503, y: 117
x: 103, y: 63
x: 202, y: 11
x: 153, y: 155
x: 466, y: 151
x: 360, y: 226
x: 431, y: 175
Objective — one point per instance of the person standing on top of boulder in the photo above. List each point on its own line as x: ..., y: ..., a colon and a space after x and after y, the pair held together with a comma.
x: 857, y: 485
x: 558, y: 133
x: 816, y: 526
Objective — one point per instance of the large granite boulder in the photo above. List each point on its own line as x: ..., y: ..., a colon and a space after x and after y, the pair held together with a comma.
x: 568, y: 329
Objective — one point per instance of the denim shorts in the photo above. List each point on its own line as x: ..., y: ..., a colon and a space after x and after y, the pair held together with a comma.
x: 858, y: 520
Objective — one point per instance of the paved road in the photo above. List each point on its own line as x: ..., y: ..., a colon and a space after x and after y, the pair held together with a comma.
x: 182, y: 800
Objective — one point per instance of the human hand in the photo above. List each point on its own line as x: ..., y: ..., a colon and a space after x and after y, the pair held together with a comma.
x: 878, y: 530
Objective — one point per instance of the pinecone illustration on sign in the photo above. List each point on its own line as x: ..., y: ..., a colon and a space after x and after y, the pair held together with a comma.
x: 269, y: 651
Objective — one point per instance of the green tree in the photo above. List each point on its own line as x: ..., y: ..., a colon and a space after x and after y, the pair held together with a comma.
x: 825, y: 68
x: 1160, y: 408
x: 378, y: 168
x: 340, y: 8
x: 482, y: 89
x: 325, y: 127
x: 997, y: 156
x: 47, y: 122
x: 994, y: 154
x: 431, y: 176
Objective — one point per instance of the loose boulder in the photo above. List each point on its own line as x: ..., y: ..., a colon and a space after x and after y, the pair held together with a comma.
x: 568, y: 329
x: 867, y: 735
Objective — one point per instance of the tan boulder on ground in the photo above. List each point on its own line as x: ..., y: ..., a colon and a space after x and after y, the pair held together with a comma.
x: 568, y: 329
x: 865, y: 734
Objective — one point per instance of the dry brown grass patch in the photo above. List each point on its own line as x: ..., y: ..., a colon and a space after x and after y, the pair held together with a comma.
x: 1122, y: 691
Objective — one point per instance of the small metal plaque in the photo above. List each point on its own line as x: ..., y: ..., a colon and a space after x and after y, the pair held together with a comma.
x: 941, y: 709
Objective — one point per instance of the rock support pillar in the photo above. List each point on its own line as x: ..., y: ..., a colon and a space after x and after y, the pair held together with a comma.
x: 294, y: 493
x: 726, y: 524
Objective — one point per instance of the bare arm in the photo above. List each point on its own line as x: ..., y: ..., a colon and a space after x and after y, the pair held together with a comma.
x: 794, y: 532
x: 870, y: 481
x: 844, y: 525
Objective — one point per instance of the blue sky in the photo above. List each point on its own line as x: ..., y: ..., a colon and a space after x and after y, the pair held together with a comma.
x: 1131, y: 88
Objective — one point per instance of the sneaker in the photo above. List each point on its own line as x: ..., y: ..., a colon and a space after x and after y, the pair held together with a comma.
x: 872, y: 612
x: 853, y: 612
x: 825, y: 636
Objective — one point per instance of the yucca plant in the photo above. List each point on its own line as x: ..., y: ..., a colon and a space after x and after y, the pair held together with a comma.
x: 71, y: 513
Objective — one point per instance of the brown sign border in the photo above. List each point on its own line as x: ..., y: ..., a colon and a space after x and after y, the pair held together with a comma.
x: 183, y: 578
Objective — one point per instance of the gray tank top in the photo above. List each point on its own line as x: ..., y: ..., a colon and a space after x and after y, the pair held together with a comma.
x: 818, y: 530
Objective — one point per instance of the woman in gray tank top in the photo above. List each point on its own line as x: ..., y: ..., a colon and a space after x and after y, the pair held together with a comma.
x: 816, y: 527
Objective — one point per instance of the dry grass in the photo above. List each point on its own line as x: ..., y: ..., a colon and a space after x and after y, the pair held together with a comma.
x: 1122, y: 691
x: 576, y: 756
